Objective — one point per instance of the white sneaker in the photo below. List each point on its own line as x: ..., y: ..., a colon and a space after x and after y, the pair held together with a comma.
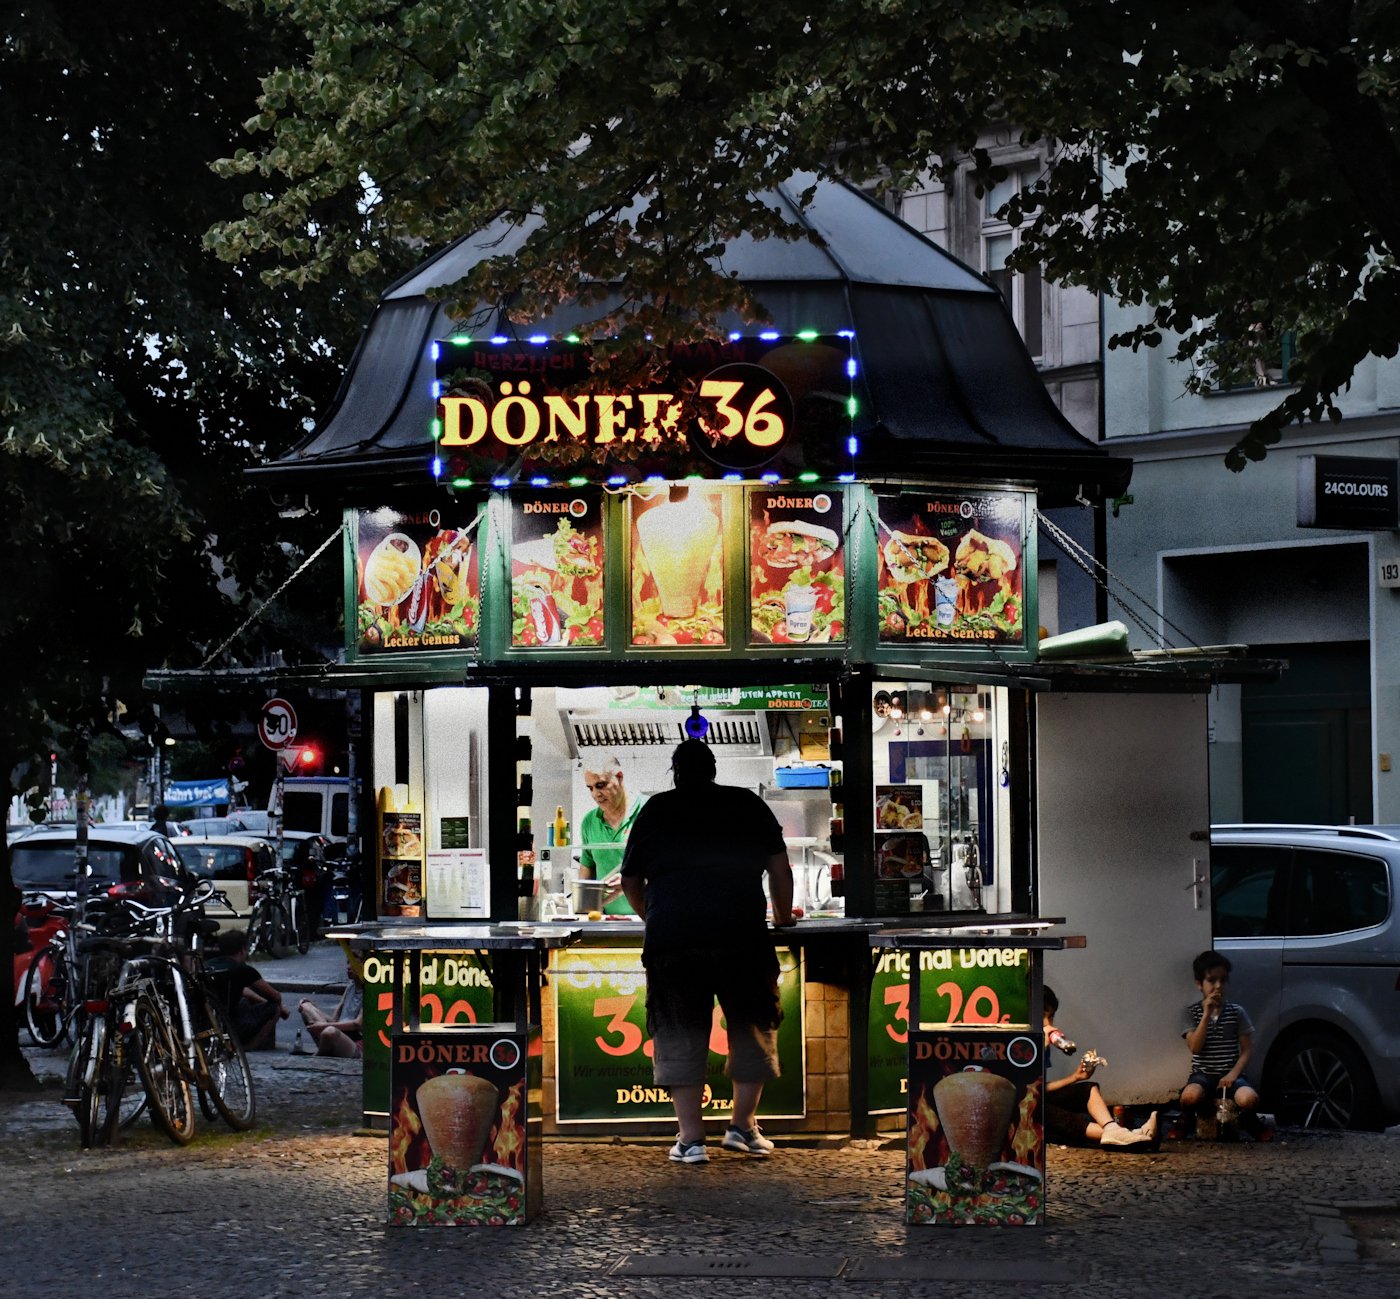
x: 752, y: 1142
x: 1115, y: 1134
x: 1148, y: 1131
x: 689, y: 1152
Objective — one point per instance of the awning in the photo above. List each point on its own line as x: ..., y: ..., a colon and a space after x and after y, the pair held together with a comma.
x: 948, y: 388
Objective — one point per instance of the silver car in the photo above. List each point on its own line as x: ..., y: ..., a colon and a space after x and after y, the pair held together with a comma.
x: 1307, y: 916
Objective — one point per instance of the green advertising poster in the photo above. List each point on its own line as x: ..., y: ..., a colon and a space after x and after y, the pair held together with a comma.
x: 980, y: 986
x: 454, y: 989
x: 603, y: 1053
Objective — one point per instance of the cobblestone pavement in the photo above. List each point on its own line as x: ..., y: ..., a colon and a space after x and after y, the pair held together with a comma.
x: 297, y: 1208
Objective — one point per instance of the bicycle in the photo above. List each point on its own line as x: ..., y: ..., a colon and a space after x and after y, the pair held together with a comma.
x: 278, y: 917
x: 50, y: 990
x: 178, y: 1031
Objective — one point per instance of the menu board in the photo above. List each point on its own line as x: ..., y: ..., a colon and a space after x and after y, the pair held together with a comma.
x: 418, y: 580
x: 797, y: 568
x: 951, y: 568
x: 401, y: 862
x: 677, y: 550
x: 556, y: 570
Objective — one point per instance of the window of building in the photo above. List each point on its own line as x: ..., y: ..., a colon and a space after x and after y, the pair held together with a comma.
x: 1267, y: 370
x: 1023, y: 290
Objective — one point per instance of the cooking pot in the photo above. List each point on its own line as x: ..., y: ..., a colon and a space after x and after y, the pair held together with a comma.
x: 589, y: 895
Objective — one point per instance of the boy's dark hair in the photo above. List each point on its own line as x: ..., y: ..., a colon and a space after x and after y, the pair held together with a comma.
x: 1208, y: 961
x: 1052, y: 1002
x: 231, y: 941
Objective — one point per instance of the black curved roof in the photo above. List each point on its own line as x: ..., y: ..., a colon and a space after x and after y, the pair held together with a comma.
x: 949, y: 391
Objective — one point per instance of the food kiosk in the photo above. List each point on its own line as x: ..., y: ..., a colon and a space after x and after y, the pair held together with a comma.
x: 812, y: 542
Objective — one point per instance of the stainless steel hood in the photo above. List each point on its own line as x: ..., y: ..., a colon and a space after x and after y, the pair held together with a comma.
x: 742, y: 734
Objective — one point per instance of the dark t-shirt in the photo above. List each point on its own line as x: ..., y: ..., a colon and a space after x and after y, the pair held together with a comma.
x: 701, y: 851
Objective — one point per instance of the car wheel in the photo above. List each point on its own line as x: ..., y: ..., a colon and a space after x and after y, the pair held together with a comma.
x: 1322, y: 1081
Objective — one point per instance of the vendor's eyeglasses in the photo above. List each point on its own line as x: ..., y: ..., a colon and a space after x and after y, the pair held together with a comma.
x: 600, y: 785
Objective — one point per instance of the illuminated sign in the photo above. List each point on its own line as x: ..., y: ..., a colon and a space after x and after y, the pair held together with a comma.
x: 743, y: 404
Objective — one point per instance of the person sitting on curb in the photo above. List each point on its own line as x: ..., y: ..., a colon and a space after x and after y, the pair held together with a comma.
x: 339, y: 1033
x: 1075, y: 1111
x: 252, y: 1002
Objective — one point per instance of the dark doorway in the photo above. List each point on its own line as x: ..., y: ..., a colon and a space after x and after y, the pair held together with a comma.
x: 1307, y: 737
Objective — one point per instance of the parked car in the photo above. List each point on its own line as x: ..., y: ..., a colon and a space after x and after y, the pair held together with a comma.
x: 141, y: 859
x: 231, y: 861
x: 1307, y: 916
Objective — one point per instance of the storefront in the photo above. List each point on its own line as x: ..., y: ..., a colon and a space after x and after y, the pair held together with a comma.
x: 814, y: 546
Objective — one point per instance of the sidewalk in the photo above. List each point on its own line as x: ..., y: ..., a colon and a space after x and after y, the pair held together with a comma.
x: 297, y: 1208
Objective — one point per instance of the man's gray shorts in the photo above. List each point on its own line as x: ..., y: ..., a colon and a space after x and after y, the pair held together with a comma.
x: 682, y: 988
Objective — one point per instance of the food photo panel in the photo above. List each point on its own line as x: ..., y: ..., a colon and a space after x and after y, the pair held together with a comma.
x: 417, y: 579
x: 556, y: 570
x: 951, y: 568
x: 797, y: 567
x: 677, y: 540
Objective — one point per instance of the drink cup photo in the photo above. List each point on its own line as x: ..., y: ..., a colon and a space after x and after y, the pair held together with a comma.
x: 798, y: 605
x: 945, y: 601
x: 678, y: 539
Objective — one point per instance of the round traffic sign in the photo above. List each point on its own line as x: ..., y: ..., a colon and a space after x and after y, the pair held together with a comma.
x: 277, y: 727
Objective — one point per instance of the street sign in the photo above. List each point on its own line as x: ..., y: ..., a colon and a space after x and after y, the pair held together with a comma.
x: 290, y: 756
x: 277, y: 727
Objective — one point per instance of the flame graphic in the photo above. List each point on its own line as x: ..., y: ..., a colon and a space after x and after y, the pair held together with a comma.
x: 508, y: 1139
x: 925, y: 1128
x: 1026, y: 1143
x: 405, y: 1132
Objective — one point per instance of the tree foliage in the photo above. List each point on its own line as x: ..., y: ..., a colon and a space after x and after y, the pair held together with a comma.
x: 1233, y: 167
x: 138, y: 374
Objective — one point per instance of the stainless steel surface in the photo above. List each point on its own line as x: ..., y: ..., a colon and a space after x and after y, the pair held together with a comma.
x: 390, y: 937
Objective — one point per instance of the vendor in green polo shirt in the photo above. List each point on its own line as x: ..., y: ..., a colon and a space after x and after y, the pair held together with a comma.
x: 604, y: 829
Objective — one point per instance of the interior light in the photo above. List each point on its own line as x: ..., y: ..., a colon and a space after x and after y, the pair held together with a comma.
x: 978, y: 715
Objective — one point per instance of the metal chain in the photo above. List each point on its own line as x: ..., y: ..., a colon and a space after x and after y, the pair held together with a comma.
x: 257, y: 613
x: 1080, y: 554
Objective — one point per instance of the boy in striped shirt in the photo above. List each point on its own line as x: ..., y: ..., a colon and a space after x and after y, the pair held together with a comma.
x: 1218, y: 1034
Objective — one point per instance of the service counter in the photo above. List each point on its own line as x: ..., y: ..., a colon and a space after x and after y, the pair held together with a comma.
x: 843, y: 1046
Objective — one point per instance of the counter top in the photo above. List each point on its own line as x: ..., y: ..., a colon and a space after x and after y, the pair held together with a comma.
x: 437, y: 935
x: 1041, y: 937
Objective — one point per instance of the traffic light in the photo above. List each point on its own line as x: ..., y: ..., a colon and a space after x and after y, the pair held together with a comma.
x: 309, y: 758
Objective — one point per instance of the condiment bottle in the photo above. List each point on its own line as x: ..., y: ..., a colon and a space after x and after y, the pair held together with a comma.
x: 561, y: 827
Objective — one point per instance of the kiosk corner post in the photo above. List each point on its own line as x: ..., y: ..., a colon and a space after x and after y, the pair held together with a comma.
x: 501, y: 835
x: 858, y: 789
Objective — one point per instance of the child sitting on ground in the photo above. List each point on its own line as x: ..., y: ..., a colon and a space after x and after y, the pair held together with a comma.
x: 1218, y: 1034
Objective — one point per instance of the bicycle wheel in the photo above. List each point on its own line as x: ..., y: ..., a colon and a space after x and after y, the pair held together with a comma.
x: 301, y: 928
x: 167, y: 1091
x: 121, y: 1089
x: 87, y: 1076
x: 230, y: 1091
x: 46, y: 996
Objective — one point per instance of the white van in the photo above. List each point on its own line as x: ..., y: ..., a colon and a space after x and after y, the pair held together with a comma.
x: 318, y: 804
